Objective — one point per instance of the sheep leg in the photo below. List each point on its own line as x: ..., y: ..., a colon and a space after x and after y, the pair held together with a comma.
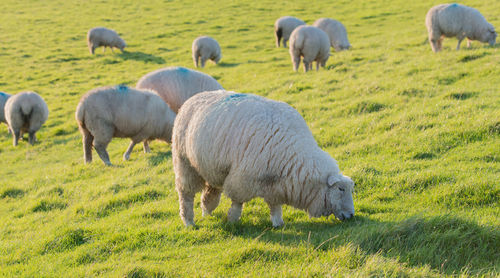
x: 126, y: 155
x: 210, y: 199
x: 203, y: 60
x: 468, y: 43
x: 145, y: 146
x: 100, y: 148
x: 459, y: 41
x: 296, y: 62
x: 440, y: 44
x: 87, y: 139
x: 196, y: 58
x: 317, y: 65
x: 104, y: 50
x: 112, y: 49
x: 187, y: 183
x: 284, y: 42
x: 307, y: 66
x: 234, y: 212
x: 32, y: 137
x: 186, y: 204
x: 276, y: 215
x: 16, y: 134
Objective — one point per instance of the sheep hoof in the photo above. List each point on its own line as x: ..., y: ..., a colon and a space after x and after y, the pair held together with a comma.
x: 190, y: 224
x: 278, y: 223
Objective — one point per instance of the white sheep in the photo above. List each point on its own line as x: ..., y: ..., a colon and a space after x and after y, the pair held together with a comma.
x: 336, y: 32
x: 284, y: 26
x: 120, y: 111
x: 311, y: 43
x: 176, y: 84
x: 455, y: 20
x: 247, y: 146
x: 3, y: 99
x: 25, y: 112
x: 205, y: 48
x: 101, y: 36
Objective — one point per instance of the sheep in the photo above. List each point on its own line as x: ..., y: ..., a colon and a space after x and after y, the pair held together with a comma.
x: 176, y: 84
x: 205, y: 48
x: 247, y: 146
x: 3, y: 99
x: 311, y: 43
x: 455, y: 20
x: 335, y: 31
x: 25, y: 112
x: 124, y: 112
x: 101, y: 36
x: 284, y: 26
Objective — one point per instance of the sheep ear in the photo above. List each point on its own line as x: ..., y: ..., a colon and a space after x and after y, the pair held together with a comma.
x: 333, y: 180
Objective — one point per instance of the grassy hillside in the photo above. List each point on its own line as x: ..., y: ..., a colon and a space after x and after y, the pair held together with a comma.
x: 418, y: 132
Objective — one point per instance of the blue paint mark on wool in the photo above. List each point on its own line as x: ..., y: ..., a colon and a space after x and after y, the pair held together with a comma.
x: 182, y: 70
x: 454, y: 5
x: 122, y: 88
x: 2, y: 94
x: 235, y: 97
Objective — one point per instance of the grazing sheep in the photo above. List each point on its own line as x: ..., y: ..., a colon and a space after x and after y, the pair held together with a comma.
x: 205, y: 48
x: 120, y: 111
x: 247, y: 146
x: 25, y: 112
x: 176, y: 84
x: 3, y: 99
x: 455, y: 20
x: 311, y: 43
x: 284, y: 26
x: 101, y: 36
x: 335, y: 31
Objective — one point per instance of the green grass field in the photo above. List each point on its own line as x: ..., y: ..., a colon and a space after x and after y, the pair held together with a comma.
x: 418, y: 132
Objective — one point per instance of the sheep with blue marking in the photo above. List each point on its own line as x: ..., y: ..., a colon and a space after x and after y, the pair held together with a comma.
x: 3, y: 99
x: 176, y: 84
x: 248, y: 146
x: 455, y: 20
x: 120, y: 111
x: 284, y: 26
x: 105, y: 37
x: 205, y: 48
x: 25, y: 112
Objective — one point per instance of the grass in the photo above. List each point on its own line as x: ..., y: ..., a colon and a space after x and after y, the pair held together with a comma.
x: 418, y: 132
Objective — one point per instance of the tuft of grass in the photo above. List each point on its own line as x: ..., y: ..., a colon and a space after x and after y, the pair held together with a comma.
x: 48, y: 205
x: 12, y: 193
x: 68, y: 240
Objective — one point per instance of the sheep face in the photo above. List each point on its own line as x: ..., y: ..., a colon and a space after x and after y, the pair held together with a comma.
x: 121, y: 44
x: 339, y: 197
x: 491, y: 36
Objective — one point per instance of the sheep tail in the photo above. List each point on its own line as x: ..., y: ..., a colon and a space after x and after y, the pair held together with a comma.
x: 80, y: 115
x: 279, y: 35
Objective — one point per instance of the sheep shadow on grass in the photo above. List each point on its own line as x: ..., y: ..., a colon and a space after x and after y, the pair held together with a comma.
x: 228, y: 65
x: 141, y: 56
x: 447, y: 244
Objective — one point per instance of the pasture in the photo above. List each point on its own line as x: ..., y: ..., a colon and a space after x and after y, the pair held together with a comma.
x: 418, y: 132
